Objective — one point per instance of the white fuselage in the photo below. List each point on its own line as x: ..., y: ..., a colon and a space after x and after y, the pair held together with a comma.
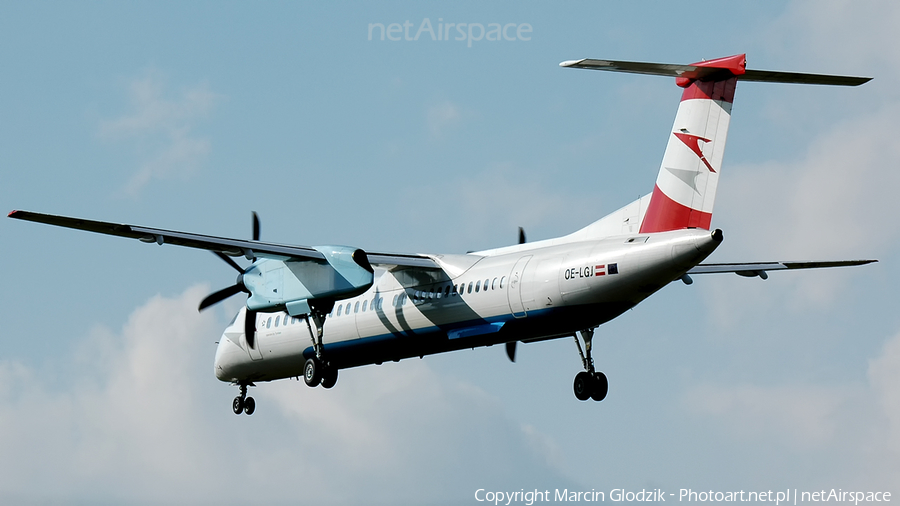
x: 520, y: 293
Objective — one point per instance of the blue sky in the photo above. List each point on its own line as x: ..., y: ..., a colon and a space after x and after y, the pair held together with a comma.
x: 189, y: 116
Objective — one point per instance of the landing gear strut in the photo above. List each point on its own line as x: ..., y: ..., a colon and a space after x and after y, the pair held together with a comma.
x: 242, y: 403
x: 316, y: 370
x: 589, y: 383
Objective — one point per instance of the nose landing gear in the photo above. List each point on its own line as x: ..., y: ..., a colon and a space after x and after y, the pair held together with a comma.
x: 589, y: 383
x: 242, y: 403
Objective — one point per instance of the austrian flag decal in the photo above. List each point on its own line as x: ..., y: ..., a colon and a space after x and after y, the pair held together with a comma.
x: 603, y: 270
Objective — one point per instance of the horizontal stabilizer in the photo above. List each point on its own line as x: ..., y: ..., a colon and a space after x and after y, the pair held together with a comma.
x: 713, y: 70
x: 752, y: 269
x: 771, y: 76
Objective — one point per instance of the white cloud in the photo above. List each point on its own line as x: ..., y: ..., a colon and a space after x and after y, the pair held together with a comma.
x: 835, y: 202
x: 843, y: 34
x: 137, y: 416
x: 162, y: 129
x: 443, y: 116
x: 124, y: 409
x: 858, y: 421
x: 837, y: 199
x: 795, y: 415
x: 884, y: 376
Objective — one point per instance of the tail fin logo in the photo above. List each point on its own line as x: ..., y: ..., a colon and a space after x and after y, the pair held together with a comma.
x: 693, y: 142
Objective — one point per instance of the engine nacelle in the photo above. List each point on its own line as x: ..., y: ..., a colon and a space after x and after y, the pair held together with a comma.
x: 294, y: 285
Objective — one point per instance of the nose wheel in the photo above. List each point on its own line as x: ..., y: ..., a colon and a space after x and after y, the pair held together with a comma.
x: 589, y: 384
x: 242, y: 403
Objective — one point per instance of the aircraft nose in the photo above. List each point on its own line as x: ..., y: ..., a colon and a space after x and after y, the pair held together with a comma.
x: 224, y: 363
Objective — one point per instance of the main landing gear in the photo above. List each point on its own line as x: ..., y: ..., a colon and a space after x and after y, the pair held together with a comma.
x: 242, y: 403
x: 316, y: 370
x: 589, y: 383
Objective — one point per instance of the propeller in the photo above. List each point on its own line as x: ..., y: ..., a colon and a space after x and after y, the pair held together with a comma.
x: 511, y: 350
x: 250, y: 327
x: 511, y: 346
x: 216, y: 297
x: 237, y: 287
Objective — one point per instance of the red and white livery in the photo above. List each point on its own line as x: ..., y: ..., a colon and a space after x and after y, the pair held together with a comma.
x: 312, y: 311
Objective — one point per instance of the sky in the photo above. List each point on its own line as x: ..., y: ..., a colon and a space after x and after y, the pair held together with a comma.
x: 188, y: 116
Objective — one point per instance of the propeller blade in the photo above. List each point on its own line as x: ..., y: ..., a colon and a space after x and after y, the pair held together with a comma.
x: 521, y: 235
x: 255, y: 226
x: 511, y: 348
x: 229, y: 261
x: 250, y: 327
x: 216, y: 297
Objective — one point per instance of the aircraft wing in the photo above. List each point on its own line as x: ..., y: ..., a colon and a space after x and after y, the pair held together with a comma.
x: 225, y: 245
x: 753, y: 269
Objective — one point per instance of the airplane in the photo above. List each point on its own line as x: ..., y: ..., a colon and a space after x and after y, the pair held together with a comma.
x: 312, y: 311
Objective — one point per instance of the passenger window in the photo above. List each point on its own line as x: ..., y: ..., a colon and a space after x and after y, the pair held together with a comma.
x: 486, y: 284
x: 494, y: 284
x: 470, y: 288
x: 347, y: 309
x: 340, y: 308
x: 395, y: 300
x: 277, y: 319
x: 356, y: 307
x: 502, y: 279
x: 365, y: 303
x: 269, y: 323
x: 478, y: 286
x: 447, y: 291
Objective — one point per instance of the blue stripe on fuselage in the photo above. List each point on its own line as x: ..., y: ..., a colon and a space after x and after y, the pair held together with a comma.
x: 416, y: 343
